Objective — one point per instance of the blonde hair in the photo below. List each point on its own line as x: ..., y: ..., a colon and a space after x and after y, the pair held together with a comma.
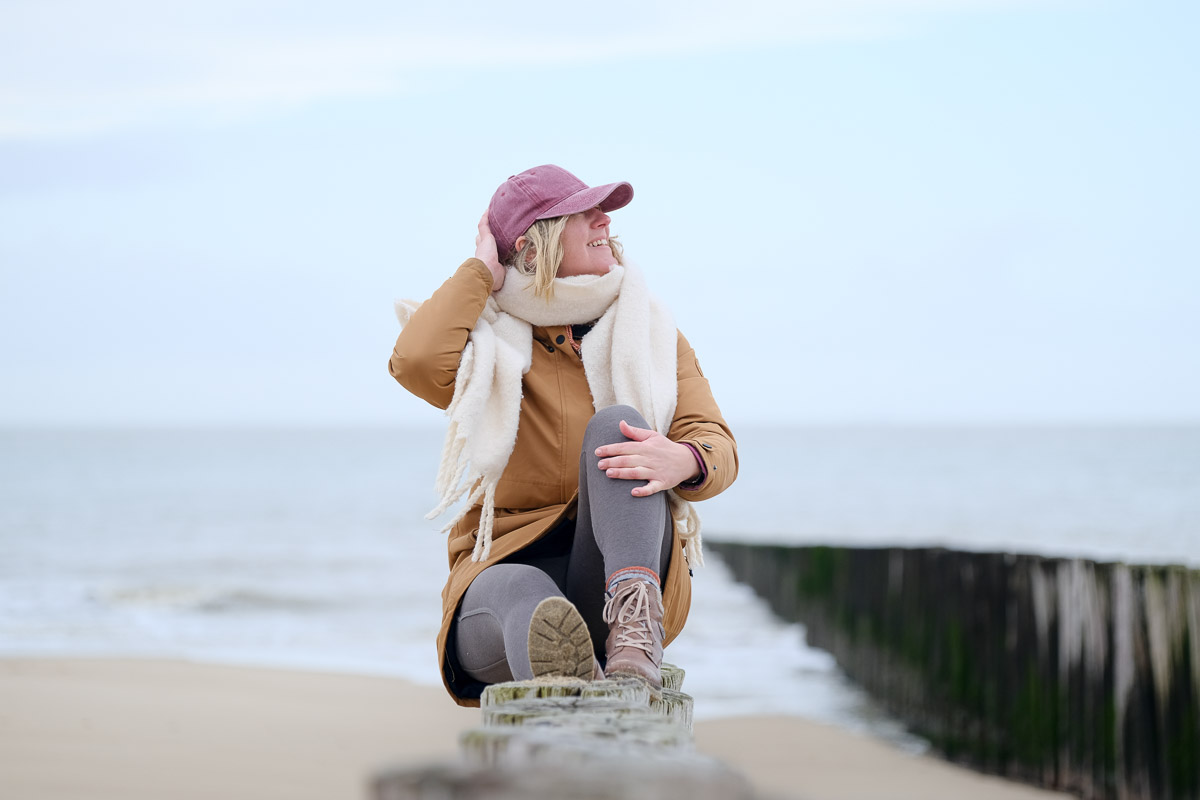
x: 542, y: 253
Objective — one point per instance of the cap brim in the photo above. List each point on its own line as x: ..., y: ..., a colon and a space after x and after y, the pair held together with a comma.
x: 609, y: 197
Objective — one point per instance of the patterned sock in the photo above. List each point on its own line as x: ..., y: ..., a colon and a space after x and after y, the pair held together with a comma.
x: 635, y: 573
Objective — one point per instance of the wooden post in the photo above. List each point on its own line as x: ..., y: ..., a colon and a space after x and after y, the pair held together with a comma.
x: 1065, y: 673
x: 557, y: 737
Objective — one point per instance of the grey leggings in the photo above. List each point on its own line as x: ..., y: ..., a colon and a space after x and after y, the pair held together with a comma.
x: 612, y: 530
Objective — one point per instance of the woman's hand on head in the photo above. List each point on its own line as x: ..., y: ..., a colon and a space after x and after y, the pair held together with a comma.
x: 485, y: 251
x: 648, y: 456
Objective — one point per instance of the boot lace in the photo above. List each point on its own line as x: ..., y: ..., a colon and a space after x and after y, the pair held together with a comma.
x: 629, y: 607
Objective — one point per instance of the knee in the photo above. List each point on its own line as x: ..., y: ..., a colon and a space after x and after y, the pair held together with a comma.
x: 503, y: 585
x: 605, y: 425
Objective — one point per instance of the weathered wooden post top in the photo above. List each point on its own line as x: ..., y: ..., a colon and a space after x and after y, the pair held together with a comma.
x: 556, y: 737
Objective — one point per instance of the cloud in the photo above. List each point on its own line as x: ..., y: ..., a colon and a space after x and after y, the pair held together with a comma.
x: 74, y: 67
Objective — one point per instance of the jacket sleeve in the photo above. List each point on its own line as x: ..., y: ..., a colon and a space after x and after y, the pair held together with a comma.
x: 425, y: 358
x: 698, y: 422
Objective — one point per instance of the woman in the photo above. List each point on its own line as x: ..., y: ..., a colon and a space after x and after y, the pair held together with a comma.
x: 571, y: 554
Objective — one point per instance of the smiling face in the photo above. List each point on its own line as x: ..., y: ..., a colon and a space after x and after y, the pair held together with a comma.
x: 585, y: 245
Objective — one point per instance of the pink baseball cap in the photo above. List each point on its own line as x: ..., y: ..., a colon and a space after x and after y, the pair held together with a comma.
x: 544, y: 192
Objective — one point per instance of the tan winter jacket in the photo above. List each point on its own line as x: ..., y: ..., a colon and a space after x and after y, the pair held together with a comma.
x: 539, y: 486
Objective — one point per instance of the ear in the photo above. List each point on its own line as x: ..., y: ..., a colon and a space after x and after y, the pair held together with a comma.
x: 519, y: 243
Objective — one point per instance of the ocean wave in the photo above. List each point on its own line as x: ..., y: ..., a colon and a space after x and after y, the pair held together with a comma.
x: 208, y: 600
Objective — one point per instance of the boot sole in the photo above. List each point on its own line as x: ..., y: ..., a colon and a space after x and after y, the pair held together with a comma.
x: 559, y: 642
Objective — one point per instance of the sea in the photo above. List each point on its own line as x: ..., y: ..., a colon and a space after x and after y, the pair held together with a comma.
x: 308, y: 548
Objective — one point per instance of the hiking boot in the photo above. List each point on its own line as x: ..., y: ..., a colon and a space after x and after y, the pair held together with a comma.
x: 634, y: 613
x: 559, y: 642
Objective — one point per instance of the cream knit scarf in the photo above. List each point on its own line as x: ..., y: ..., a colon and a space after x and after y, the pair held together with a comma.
x: 629, y: 357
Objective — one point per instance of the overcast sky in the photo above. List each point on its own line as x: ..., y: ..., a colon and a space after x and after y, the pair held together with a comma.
x: 860, y: 211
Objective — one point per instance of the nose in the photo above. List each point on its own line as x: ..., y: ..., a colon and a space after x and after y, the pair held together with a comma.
x: 601, y: 219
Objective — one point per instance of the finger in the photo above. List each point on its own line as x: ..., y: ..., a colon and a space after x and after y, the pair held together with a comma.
x: 621, y: 461
x: 637, y: 434
x: 619, y: 449
x: 630, y: 473
x: 649, y: 489
x: 629, y: 448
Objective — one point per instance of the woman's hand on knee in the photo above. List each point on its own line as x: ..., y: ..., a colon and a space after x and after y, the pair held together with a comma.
x: 648, y: 456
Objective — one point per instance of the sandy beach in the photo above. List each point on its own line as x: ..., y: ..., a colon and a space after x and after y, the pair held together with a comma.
x: 130, y: 729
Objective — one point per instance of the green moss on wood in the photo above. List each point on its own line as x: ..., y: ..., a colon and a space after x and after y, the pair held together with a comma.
x: 1066, y: 672
x: 823, y: 568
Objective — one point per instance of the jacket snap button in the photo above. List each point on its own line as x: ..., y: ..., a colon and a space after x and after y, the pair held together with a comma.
x: 549, y: 348
x: 561, y: 339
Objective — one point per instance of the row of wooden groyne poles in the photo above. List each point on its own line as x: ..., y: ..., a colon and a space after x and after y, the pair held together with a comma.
x: 1065, y: 673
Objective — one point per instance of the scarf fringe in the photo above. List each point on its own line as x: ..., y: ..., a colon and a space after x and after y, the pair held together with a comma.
x: 687, y: 525
x: 450, y: 485
x: 483, y: 542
